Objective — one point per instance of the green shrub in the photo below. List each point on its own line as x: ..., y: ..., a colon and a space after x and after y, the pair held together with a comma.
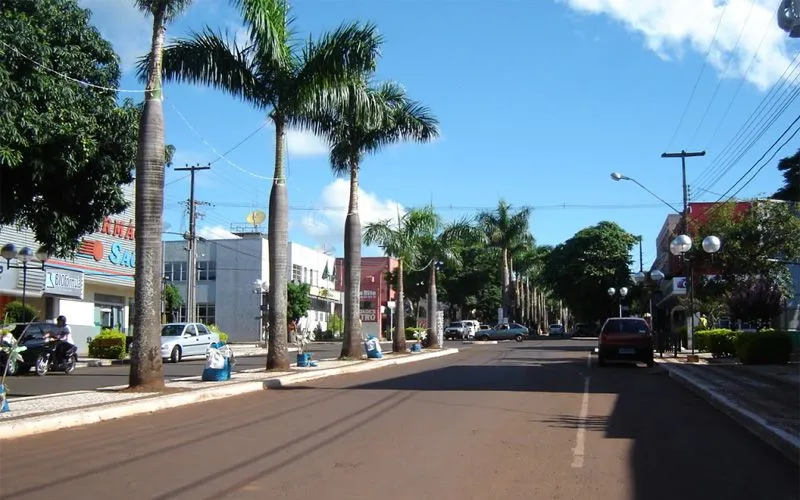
x: 223, y: 337
x: 14, y: 312
x: 720, y: 342
x: 109, y: 344
x: 764, y: 348
x: 410, y: 331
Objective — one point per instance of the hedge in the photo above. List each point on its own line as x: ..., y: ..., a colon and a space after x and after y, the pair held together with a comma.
x: 764, y: 348
x: 720, y: 342
x: 109, y: 344
x: 410, y: 331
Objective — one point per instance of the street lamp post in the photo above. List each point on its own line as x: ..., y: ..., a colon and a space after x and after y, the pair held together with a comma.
x: 24, y: 255
x: 651, y: 279
x: 622, y: 293
x: 679, y: 247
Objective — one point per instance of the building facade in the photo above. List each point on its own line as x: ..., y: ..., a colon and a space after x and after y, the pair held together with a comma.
x: 227, y: 270
x: 94, y: 290
x: 375, y: 294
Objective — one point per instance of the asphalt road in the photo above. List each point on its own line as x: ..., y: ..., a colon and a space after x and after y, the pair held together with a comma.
x: 90, y: 378
x: 526, y: 421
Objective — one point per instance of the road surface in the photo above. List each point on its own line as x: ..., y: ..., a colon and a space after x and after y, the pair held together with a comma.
x: 91, y: 378
x: 534, y: 420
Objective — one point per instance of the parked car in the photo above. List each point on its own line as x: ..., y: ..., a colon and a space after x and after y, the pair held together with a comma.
x: 462, y: 329
x: 34, y: 341
x: 504, y: 331
x: 185, y: 339
x: 585, y: 330
x: 556, y: 329
x: 625, y: 339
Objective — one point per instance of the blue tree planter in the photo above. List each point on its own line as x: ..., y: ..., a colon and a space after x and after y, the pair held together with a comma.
x: 3, y: 401
x: 416, y: 347
x: 304, y: 359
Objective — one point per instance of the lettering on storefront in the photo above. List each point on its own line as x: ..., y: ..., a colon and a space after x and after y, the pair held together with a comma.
x: 63, y: 282
x: 121, y: 257
x: 368, y: 316
x: 368, y: 294
x: 119, y: 229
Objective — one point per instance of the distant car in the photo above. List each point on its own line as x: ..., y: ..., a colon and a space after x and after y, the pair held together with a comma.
x: 584, y: 330
x: 556, y: 329
x: 504, y: 332
x: 625, y: 339
x: 185, y: 339
x: 462, y: 329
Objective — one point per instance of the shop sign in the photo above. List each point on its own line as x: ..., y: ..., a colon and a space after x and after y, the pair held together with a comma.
x: 64, y: 283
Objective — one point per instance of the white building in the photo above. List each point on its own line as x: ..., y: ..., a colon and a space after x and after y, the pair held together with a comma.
x: 226, y: 272
x: 94, y: 290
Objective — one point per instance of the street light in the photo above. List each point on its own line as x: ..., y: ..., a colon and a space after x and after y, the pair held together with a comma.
x: 619, y: 177
x: 622, y: 293
x: 261, y: 287
x: 650, y: 279
x: 679, y: 247
x: 24, y: 255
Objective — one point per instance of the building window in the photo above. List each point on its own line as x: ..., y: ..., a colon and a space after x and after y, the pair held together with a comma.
x: 305, y: 275
x: 206, y: 270
x: 206, y: 313
x: 175, y: 271
x: 297, y: 273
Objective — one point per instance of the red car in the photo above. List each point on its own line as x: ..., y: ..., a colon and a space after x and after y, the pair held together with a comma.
x: 625, y: 339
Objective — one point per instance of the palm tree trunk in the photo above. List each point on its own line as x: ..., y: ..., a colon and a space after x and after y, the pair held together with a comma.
x: 147, y: 370
x: 278, y: 228
x: 506, y: 284
x: 433, y: 308
x: 399, y: 337
x: 351, y: 344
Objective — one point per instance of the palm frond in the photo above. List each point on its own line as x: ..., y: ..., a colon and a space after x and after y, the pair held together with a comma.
x: 171, y: 8
x: 208, y: 58
x: 269, y: 24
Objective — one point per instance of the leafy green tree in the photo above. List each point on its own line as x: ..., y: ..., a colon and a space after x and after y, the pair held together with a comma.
x: 56, y: 133
x: 172, y: 301
x: 584, y: 267
x: 15, y: 312
x: 292, y: 79
x: 790, y: 191
x: 299, y: 300
x: 372, y: 118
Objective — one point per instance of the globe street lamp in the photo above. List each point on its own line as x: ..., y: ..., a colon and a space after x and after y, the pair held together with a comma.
x: 24, y: 255
x: 622, y: 293
x: 680, y: 247
x: 650, y: 280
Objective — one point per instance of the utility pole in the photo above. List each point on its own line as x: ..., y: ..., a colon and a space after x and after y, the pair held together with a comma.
x: 683, y: 155
x: 641, y: 264
x: 191, y: 284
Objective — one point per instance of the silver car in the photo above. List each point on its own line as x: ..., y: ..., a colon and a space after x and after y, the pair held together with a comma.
x: 185, y: 339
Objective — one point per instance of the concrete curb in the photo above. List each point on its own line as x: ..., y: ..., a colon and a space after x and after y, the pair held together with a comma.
x: 94, y: 363
x: 781, y: 440
x: 22, y: 427
x: 479, y: 342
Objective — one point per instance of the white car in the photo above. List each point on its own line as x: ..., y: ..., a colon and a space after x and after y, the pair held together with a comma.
x: 185, y: 339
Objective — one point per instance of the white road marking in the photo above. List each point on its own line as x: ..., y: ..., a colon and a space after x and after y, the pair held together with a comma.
x: 580, y: 437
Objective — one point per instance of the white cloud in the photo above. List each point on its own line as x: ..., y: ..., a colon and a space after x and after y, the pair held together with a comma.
x: 327, y: 225
x: 670, y: 26
x: 216, y: 233
x: 305, y: 143
x: 122, y: 24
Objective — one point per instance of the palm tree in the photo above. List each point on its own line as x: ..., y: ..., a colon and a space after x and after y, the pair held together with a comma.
x: 503, y: 230
x: 440, y: 245
x: 371, y: 118
x: 294, y: 82
x: 146, y: 367
x: 400, y: 239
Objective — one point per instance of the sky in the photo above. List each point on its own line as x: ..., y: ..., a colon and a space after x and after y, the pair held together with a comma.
x: 539, y: 101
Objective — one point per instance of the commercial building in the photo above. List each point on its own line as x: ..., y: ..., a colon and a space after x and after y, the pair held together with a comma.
x: 376, y: 293
x: 227, y: 270
x: 94, y: 290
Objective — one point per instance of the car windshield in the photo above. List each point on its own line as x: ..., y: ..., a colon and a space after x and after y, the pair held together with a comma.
x: 172, y: 330
x: 455, y: 325
x: 625, y: 326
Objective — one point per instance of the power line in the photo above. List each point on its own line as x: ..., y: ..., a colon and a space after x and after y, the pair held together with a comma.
x: 560, y: 206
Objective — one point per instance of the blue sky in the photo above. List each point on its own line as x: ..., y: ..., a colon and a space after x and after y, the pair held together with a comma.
x: 539, y: 102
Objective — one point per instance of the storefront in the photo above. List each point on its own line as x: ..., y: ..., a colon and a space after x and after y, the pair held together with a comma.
x: 94, y: 290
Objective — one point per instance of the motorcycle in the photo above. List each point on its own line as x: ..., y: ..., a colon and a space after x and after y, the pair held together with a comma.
x: 47, y: 359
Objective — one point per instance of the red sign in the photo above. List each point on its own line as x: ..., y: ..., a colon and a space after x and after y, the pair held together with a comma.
x: 91, y: 248
x: 118, y: 228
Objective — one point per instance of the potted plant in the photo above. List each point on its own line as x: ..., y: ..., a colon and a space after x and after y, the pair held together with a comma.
x: 10, y: 354
x: 420, y: 335
x: 301, y: 340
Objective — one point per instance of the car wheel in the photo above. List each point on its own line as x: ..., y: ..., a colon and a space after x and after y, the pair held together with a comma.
x: 518, y: 338
x: 11, y: 367
x: 41, y: 365
x: 175, y: 357
x: 650, y: 362
x: 484, y: 338
x: 70, y: 364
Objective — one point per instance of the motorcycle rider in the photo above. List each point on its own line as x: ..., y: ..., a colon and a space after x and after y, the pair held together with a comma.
x: 63, y: 336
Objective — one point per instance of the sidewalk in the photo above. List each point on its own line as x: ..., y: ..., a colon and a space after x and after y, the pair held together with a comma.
x: 39, y: 414
x: 763, y: 399
x: 239, y: 350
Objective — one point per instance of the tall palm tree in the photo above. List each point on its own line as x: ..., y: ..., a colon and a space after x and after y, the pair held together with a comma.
x: 400, y: 239
x: 293, y: 82
x: 503, y: 229
x: 146, y: 368
x: 440, y: 245
x: 373, y: 117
